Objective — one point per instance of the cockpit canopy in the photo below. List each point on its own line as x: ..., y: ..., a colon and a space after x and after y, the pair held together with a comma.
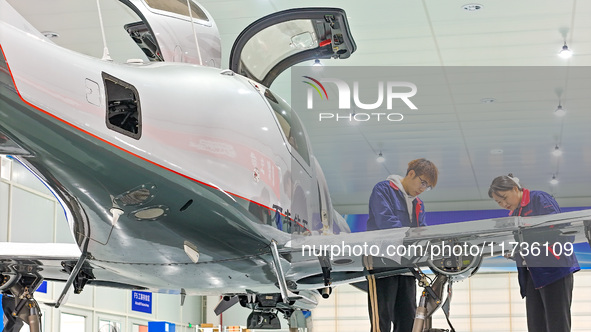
x: 280, y: 40
x: 170, y: 31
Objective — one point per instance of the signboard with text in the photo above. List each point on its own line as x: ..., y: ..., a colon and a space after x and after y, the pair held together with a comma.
x: 141, y: 301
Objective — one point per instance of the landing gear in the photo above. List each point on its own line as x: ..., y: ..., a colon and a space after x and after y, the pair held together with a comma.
x: 17, y: 312
x: 264, y: 310
x: 431, y: 300
x: 270, y: 320
x: 18, y: 281
x: 18, y: 303
x: 289, y: 301
x: 447, y: 270
x: 263, y: 320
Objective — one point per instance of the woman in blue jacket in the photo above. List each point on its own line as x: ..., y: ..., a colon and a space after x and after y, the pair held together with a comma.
x: 546, y: 279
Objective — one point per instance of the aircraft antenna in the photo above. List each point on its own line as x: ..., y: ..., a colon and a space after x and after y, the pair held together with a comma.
x: 194, y: 32
x: 106, y: 55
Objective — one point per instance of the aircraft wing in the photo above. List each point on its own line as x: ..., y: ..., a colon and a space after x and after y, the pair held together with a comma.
x: 38, y: 251
x: 41, y: 259
x: 454, y: 249
x: 487, y: 230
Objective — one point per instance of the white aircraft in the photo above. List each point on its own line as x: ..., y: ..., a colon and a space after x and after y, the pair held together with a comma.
x: 178, y: 176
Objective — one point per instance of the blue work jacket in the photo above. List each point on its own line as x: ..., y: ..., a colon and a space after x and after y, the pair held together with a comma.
x: 543, y: 268
x: 388, y: 208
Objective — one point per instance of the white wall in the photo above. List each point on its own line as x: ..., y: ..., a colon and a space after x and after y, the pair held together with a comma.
x: 30, y: 213
x: 28, y: 210
x: 484, y: 302
x: 96, y: 303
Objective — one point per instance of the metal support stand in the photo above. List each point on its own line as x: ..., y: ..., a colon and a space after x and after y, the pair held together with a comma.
x: 71, y: 278
x: 279, y: 272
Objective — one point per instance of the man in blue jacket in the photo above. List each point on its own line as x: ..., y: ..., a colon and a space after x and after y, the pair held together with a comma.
x: 394, y: 203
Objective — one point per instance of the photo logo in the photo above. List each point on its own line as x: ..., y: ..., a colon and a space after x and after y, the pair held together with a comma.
x: 390, y: 91
x: 315, y: 87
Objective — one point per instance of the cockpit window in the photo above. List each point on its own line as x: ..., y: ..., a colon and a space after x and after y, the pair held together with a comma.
x: 270, y: 46
x: 290, y: 125
x: 179, y: 7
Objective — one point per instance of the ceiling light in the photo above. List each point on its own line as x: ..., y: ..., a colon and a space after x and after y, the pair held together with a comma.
x: 380, y: 158
x: 472, y: 7
x: 554, y: 180
x: 559, y: 111
x: 565, y: 52
x: 557, y: 152
x: 50, y: 34
x: 317, y: 63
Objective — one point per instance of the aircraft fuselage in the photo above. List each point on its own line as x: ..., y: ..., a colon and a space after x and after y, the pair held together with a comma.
x: 205, y: 162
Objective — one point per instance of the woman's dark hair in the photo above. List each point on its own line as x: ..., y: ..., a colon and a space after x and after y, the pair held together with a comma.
x: 503, y: 183
x: 424, y: 167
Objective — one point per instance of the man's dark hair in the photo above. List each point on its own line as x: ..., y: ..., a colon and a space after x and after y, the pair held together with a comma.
x: 424, y: 167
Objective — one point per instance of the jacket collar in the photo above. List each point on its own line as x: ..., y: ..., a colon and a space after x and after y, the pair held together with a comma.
x: 525, y: 199
x: 393, y: 185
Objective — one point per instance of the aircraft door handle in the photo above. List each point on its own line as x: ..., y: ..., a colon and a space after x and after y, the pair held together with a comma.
x: 93, y: 92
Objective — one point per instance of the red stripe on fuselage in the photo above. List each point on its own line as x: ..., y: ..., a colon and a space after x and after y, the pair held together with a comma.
x: 114, y: 145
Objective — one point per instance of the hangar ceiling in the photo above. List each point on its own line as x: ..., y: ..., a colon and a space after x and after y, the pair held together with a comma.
x: 470, y: 139
x: 464, y: 136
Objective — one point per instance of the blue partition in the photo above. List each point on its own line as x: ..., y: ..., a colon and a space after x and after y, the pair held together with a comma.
x: 161, y: 327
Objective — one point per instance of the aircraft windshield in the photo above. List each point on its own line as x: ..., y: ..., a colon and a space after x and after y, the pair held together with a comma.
x: 290, y: 125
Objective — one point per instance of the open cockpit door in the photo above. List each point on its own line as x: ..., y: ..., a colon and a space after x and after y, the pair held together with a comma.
x: 278, y: 41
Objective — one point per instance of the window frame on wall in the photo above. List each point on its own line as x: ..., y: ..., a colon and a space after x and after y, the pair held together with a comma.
x: 134, y: 321
x: 118, y: 320
x: 74, y: 312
